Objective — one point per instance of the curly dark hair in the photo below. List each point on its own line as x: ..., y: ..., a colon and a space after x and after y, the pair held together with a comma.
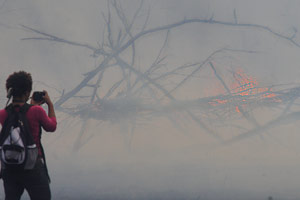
x: 20, y: 82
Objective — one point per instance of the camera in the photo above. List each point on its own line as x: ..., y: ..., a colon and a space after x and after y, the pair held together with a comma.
x: 38, y: 96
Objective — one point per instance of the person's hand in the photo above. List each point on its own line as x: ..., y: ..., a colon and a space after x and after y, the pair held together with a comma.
x: 36, y: 103
x: 33, y: 102
x: 47, y: 99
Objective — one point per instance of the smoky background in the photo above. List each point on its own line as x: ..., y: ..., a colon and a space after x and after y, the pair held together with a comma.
x: 159, y: 161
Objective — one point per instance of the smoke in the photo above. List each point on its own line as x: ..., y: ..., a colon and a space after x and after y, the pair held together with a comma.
x: 162, y: 153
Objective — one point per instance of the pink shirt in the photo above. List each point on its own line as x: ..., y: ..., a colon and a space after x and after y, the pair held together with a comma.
x: 36, y: 117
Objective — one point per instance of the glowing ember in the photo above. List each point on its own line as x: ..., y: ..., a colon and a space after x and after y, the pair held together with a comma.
x: 244, y: 86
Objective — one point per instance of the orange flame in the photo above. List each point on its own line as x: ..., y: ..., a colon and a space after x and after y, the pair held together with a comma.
x: 245, y: 85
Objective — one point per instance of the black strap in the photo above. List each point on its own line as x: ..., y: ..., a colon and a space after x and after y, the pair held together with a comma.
x: 43, y: 154
x: 22, y: 117
x: 11, y: 108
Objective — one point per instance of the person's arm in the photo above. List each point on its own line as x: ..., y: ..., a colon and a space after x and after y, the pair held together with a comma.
x: 48, y: 122
x: 47, y: 100
x: 3, y: 116
x: 51, y: 112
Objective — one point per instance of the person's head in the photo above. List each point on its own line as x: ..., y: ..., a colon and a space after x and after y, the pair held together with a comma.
x: 21, y: 84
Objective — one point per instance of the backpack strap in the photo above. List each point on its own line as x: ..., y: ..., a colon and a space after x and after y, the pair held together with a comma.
x: 10, y: 115
x: 22, y: 116
x: 25, y: 108
x: 12, y: 108
x: 43, y: 154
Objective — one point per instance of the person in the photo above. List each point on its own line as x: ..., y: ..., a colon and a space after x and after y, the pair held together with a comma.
x: 35, y: 181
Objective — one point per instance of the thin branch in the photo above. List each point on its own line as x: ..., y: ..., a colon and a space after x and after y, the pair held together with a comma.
x: 288, y: 118
x: 195, y: 70
x: 112, y: 89
x: 158, y: 57
x: 97, y: 85
x: 55, y: 38
x: 146, y: 20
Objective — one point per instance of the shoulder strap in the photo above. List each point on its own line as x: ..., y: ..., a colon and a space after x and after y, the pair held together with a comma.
x: 43, y: 154
x: 10, y: 109
x: 22, y: 116
x: 25, y: 108
x: 10, y: 119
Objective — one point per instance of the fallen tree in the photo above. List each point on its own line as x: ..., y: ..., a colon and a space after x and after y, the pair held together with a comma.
x: 141, y: 91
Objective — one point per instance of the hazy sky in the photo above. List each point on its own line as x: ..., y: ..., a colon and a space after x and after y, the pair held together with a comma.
x: 161, y: 160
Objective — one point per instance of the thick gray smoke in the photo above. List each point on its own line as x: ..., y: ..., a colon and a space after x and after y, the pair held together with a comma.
x: 157, y: 148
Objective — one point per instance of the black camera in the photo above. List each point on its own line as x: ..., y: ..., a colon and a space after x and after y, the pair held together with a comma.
x: 38, y: 96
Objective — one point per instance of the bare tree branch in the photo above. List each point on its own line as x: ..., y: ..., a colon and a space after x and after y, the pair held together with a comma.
x: 288, y: 118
